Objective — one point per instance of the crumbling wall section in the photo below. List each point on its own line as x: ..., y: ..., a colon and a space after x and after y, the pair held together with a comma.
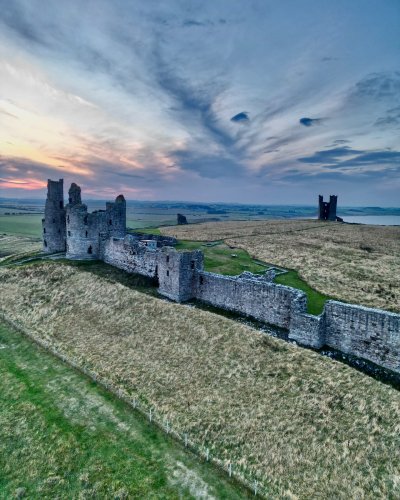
x: 371, y: 334
x: 160, y: 239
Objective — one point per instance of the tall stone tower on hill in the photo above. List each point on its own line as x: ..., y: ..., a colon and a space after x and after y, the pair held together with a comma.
x: 327, y: 209
x: 53, y: 224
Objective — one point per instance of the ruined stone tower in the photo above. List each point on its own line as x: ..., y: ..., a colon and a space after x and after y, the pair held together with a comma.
x: 327, y: 209
x: 177, y: 273
x: 88, y: 232
x: 53, y: 224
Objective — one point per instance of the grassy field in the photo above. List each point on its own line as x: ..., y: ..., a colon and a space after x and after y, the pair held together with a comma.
x: 22, y: 225
x: 354, y: 263
x: 61, y: 436
x: 19, y: 234
x: 309, y: 427
x: 219, y: 258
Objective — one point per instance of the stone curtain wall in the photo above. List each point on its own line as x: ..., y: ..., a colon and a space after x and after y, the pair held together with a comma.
x: 372, y: 334
x: 128, y: 254
x: 253, y: 297
x: 306, y: 329
x: 160, y: 239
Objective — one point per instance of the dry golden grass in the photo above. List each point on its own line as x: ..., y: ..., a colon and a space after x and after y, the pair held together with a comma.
x: 354, y: 263
x: 308, y: 426
x: 18, y: 245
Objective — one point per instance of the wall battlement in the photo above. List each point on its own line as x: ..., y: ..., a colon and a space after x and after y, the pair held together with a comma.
x: 371, y: 334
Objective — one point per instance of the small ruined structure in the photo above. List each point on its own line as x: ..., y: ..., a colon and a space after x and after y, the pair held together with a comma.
x: 181, y: 219
x: 368, y: 333
x: 327, y: 209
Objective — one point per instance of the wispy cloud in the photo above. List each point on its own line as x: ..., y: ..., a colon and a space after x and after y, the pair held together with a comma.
x: 149, y: 99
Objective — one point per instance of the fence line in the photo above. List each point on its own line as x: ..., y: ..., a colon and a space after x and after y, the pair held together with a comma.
x: 146, y: 410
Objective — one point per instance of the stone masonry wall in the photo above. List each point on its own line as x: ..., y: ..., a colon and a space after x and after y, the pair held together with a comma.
x: 253, y: 297
x: 160, y: 239
x: 178, y: 273
x: 371, y: 334
x: 128, y: 254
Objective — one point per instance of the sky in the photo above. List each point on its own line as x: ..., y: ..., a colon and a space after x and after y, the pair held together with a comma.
x: 248, y: 101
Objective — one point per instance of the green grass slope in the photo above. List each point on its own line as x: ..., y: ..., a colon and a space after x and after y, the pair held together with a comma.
x: 22, y: 225
x: 63, y: 437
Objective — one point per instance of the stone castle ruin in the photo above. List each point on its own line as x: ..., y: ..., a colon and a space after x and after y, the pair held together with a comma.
x: 327, y: 209
x: 368, y: 333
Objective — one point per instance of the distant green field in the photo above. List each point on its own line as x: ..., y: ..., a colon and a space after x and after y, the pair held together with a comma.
x: 61, y: 436
x: 22, y: 225
x: 219, y: 258
x: 142, y: 224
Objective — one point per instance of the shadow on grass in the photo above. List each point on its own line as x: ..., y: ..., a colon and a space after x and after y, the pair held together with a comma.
x: 112, y: 274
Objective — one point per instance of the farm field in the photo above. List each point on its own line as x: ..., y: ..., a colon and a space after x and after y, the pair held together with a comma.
x: 353, y: 263
x: 20, y: 234
x: 29, y: 225
x: 61, y: 436
x: 294, y: 419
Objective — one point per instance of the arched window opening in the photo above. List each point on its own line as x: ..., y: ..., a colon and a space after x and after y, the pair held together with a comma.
x: 90, y: 250
x: 69, y: 233
x: 167, y: 273
x: 86, y: 234
x: 68, y: 219
x: 201, y: 280
x: 44, y: 230
x: 45, y: 243
x: 61, y: 204
x: 192, y: 264
x: 167, y: 259
x: 110, y: 222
